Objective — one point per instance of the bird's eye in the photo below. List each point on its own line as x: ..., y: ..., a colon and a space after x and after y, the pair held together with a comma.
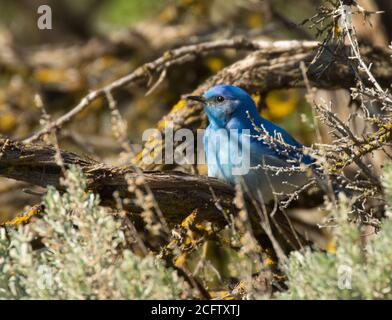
x: 220, y: 99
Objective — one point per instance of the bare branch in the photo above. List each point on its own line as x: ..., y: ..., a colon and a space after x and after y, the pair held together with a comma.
x: 159, y: 65
x: 177, y: 194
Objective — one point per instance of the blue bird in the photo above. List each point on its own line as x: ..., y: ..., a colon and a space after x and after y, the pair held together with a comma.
x: 243, y: 147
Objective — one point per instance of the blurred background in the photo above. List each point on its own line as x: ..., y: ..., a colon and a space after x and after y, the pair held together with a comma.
x: 94, y: 42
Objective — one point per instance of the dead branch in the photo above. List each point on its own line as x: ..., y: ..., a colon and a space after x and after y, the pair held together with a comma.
x: 273, y: 65
x: 157, y: 66
x: 177, y: 194
x: 261, y: 72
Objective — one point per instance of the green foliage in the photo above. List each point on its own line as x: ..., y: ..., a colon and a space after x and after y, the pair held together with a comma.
x: 127, y: 12
x: 81, y: 256
x: 350, y: 272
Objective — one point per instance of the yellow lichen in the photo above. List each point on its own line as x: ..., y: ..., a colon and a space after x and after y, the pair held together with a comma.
x: 269, y: 261
x: 256, y: 98
x: 66, y: 79
x: 337, y: 30
x: 221, y: 294
x: 281, y: 103
x: 215, y: 64
x: 7, y: 121
x: 331, y: 245
x: 181, y: 260
x: 189, y: 220
x: 254, y: 20
x: 180, y: 104
x: 25, y: 217
x: 162, y: 124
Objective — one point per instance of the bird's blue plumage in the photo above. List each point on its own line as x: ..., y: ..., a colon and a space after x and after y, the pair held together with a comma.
x: 237, y: 138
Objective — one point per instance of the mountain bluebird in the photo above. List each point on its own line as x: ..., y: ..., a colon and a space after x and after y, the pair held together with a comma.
x: 243, y: 147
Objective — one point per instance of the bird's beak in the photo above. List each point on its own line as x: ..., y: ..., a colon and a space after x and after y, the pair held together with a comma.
x: 196, y: 98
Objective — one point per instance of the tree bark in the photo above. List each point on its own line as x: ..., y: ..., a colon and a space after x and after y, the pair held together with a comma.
x: 177, y: 194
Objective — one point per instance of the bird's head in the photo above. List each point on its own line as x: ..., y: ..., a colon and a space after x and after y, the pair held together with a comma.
x: 223, y: 102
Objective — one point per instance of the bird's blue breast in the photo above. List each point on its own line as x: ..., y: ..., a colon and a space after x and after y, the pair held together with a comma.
x: 237, y: 149
x: 218, y: 148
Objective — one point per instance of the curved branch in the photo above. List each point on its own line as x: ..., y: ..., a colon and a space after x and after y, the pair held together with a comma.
x: 177, y: 194
x: 176, y: 56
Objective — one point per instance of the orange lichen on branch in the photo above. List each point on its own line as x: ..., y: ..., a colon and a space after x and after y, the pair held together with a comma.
x: 26, y: 217
x: 188, y: 236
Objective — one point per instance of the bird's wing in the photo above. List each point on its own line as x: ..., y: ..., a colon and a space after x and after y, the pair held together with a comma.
x: 290, y: 149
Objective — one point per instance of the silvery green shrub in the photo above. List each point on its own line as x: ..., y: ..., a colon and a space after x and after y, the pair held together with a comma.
x: 351, y: 272
x: 80, y: 258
